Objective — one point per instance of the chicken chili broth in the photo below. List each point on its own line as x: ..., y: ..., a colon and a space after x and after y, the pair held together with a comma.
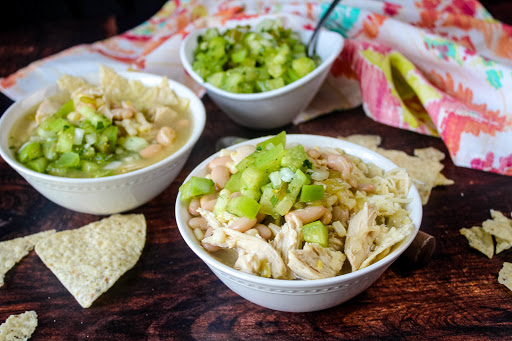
x: 296, y: 212
x: 94, y: 131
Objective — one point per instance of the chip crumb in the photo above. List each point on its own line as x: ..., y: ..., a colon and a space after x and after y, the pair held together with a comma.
x: 424, y: 167
x: 505, y: 275
x: 90, y: 259
x: 19, y: 327
x: 14, y: 250
x: 479, y: 239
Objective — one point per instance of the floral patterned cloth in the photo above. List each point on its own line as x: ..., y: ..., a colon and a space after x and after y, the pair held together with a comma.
x: 436, y: 67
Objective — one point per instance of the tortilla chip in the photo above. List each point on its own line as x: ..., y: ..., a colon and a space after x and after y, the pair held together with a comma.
x: 505, y: 275
x: 367, y: 141
x: 429, y: 153
x: 479, y: 239
x: 90, y: 259
x: 384, y: 244
x: 12, y: 251
x: 424, y: 168
x: 502, y: 244
x: 141, y: 96
x: 72, y: 83
x: 500, y: 226
x: 19, y: 327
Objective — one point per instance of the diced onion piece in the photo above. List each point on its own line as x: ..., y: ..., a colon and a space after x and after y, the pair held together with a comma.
x: 79, y: 136
x: 90, y: 139
x: 135, y: 144
x: 286, y: 174
x: 113, y: 165
x: 275, y: 178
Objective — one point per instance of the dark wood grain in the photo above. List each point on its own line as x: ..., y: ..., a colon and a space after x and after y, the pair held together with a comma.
x: 171, y: 294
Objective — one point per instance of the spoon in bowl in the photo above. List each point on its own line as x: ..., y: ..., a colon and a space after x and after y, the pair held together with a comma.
x: 311, y: 48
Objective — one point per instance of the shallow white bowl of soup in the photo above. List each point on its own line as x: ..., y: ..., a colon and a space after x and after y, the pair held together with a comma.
x: 300, y: 295
x: 275, y: 108
x: 110, y: 194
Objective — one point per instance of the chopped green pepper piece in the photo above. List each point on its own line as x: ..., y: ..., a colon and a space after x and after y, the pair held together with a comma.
x: 30, y: 151
x: 278, y: 139
x: 196, y: 186
x: 316, y: 232
x: 38, y: 165
x: 243, y: 207
x: 311, y: 193
x: 67, y: 160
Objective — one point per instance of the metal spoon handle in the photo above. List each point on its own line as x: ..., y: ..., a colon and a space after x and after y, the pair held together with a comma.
x: 314, y: 36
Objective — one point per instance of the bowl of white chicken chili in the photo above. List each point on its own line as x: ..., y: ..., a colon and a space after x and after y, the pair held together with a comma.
x: 300, y: 222
x: 104, y: 143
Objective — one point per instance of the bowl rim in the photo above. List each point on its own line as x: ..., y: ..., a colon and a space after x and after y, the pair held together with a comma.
x: 198, y: 117
x: 414, y: 206
x: 267, y: 94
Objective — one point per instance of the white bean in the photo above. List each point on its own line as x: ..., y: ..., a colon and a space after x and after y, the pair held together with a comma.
x: 207, y: 197
x: 327, y: 217
x: 198, y: 222
x: 210, y: 205
x: 369, y: 188
x: 313, y: 153
x: 242, y: 224
x: 219, y: 161
x: 264, y: 231
x: 307, y: 214
x: 340, y: 214
x: 220, y: 175
x: 150, y: 151
x: 242, y: 152
x: 210, y: 247
x: 193, y: 206
x: 166, y: 136
x: 340, y: 163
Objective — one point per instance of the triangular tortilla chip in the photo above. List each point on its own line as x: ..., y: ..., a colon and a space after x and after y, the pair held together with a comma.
x: 90, y: 259
x: 479, y: 239
x: 505, y: 275
x: 19, y: 327
x: 12, y: 251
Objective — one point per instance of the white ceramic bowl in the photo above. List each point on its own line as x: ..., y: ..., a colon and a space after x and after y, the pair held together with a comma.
x: 301, y: 295
x: 276, y: 108
x: 112, y: 194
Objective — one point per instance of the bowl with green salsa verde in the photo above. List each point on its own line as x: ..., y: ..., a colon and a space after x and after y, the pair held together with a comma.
x: 104, y: 143
x: 257, y: 70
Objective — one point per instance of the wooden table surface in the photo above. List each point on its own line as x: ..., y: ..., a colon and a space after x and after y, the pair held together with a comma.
x: 171, y: 294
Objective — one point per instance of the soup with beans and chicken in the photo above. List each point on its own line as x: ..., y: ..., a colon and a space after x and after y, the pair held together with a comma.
x: 94, y: 131
x: 292, y: 212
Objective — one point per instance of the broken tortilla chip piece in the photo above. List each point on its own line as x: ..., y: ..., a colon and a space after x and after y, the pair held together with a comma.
x: 505, y: 275
x: 12, y: 251
x: 424, y: 168
x: 499, y: 226
x: 19, y: 327
x: 479, y: 239
x: 90, y: 259
x: 502, y: 244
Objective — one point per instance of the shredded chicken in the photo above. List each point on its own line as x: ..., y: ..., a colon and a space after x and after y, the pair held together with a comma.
x: 315, y: 262
x: 361, y: 233
x: 289, y: 238
x: 254, y: 251
x: 210, y: 218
